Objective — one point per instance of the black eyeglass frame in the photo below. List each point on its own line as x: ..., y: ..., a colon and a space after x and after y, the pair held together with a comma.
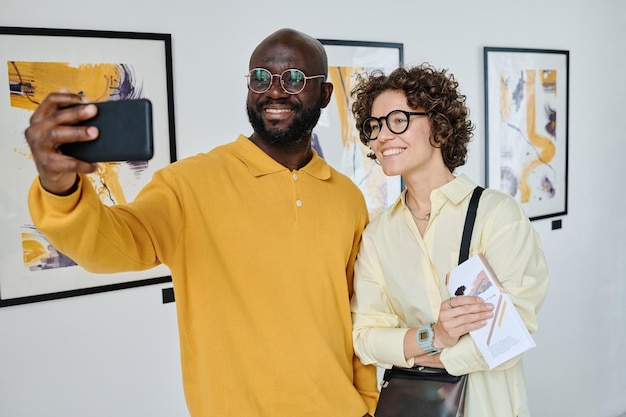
x: 280, y: 78
x: 379, y: 120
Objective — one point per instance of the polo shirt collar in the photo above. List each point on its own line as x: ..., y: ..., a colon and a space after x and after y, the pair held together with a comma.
x: 259, y: 163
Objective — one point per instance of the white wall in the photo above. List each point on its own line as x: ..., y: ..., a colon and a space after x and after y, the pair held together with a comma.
x: 116, y: 353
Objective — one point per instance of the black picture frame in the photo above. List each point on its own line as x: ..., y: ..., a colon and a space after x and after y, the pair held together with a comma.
x: 527, y: 125
x: 36, y: 59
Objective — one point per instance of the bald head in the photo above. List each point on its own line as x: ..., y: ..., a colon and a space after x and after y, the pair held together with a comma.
x: 285, y: 46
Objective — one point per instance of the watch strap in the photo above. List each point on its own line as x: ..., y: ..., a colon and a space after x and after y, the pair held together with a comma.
x: 426, y: 337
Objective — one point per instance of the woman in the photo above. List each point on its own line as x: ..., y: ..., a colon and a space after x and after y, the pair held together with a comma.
x: 417, y: 125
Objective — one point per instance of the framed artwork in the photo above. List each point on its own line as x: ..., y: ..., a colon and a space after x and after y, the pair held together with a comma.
x: 526, y: 99
x: 103, y: 66
x: 336, y: 137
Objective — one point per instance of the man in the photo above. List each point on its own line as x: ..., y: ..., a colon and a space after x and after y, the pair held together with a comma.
x: 260, y: 235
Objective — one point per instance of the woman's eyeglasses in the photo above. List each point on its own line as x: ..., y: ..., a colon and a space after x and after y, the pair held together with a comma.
x: 397, y: 121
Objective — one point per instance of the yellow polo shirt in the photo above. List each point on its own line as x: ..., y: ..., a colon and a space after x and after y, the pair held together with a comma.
x: 262, y: 262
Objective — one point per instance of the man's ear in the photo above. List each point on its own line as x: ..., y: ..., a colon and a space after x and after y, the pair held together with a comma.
x: 327, y: 93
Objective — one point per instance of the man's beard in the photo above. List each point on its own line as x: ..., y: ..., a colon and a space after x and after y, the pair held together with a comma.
x: 299, y: 129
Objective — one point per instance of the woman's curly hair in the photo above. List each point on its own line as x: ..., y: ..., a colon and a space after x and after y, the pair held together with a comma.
x: 436, y: 91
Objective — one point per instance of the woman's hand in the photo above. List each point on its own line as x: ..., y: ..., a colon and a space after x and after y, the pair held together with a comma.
x: 459, y: 316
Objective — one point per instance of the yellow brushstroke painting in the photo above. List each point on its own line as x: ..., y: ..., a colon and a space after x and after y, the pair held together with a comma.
x: 35, y: 80
x: 354, y: 161
x: 30, y: 83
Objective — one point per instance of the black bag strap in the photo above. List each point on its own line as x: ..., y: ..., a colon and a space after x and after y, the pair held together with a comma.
x: 469, y: 223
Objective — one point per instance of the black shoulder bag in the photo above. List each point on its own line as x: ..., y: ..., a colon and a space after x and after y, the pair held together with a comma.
x: 422, y: 391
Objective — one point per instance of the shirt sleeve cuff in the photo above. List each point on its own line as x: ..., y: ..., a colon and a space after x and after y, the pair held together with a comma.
x: 386, y: 347
x: 463, y: 358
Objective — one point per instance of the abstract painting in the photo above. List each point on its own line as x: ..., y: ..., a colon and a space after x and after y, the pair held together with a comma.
x: 336, y: 137
x: 526, y: 98
x: 102, y: 66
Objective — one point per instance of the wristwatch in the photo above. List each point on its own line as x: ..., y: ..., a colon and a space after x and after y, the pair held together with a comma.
x: 426, y: 337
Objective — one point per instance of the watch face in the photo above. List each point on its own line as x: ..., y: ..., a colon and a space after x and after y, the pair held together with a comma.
x: 423, y: 336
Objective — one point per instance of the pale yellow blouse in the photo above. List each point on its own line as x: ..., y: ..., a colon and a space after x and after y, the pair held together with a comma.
x: 399, y: 284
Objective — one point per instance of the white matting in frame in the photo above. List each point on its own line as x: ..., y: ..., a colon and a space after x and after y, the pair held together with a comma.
x: 36, y: 61
x: 526, y: 99
x: 336, y: 135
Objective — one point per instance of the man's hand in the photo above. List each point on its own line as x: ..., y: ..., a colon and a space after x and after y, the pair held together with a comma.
x: 51, y: 125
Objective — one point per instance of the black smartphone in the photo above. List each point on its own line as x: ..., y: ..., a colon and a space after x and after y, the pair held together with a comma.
x: 125, y: 133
